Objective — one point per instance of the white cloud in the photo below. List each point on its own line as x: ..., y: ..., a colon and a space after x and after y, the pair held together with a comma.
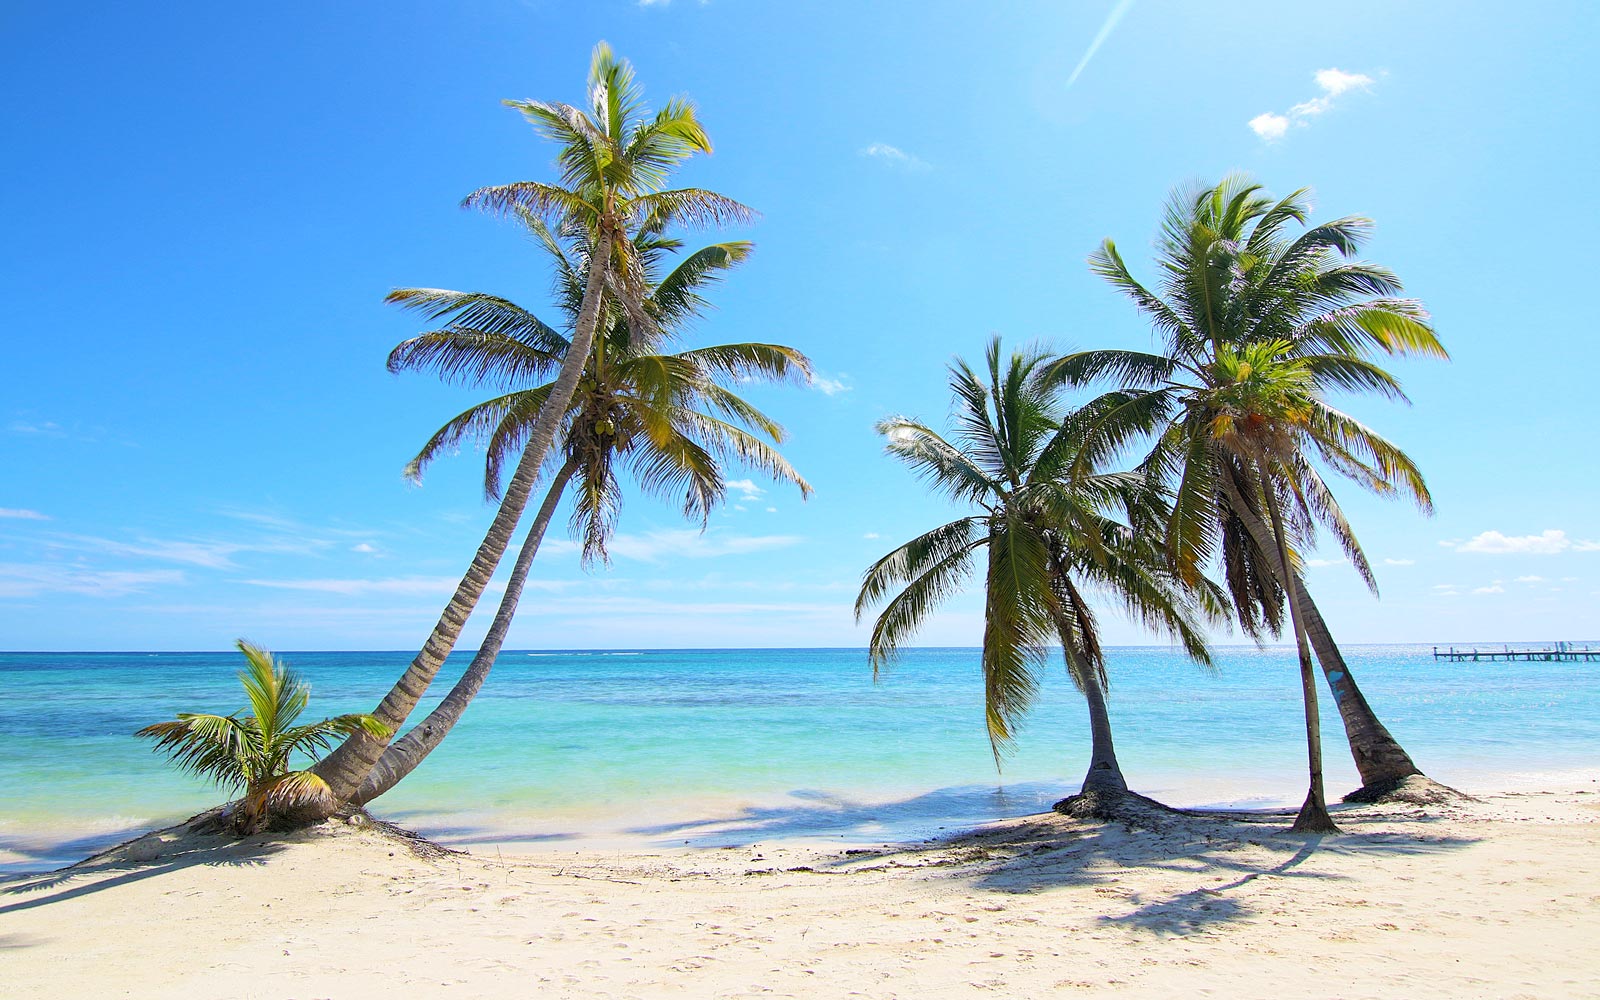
x: 1491, y: 589
x: 746, y: 488
x: 365, y: 548
x: 1586, y: 546
x: 772, y: 510
x: 870, y: 534
x: 18, y: 514
x: 47, y: 428
x: 830, y: 386
x: 1269, y: 126
x: 1323, y: 563
x: 1530, y: 579
x: 895, y: 156
x: 20, y: 580
x: 1336, y: 82
x: 1546, y: 543
x: 1399, y: 562
x: 1272, y: 126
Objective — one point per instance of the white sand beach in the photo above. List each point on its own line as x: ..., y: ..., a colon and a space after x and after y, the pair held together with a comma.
x: 1496, y: 898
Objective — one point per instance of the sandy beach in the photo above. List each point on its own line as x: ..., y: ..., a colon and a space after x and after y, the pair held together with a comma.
x: 1498, y: 897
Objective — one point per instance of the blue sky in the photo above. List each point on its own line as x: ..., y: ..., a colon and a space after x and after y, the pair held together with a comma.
x: 205, y: 206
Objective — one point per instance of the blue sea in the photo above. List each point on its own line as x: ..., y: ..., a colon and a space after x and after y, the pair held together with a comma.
x: 666, y: 748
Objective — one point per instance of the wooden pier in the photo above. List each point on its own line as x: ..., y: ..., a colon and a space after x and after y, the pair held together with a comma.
x: 1560, y: 652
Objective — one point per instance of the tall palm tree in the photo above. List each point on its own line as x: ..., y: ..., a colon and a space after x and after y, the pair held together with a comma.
x: 1241, y: 298
x: 614, y: 160
x: 1043, y: 524
x: 664, y: 417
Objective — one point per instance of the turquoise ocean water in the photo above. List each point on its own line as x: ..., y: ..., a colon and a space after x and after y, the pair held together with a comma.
x: 702, y: 747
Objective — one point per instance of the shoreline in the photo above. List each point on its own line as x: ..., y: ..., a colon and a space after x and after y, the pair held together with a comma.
x: 1482, y: 898
x: 815, y: 818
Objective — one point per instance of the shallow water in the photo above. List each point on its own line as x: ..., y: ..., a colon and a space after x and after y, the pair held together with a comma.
x: 704, y: 747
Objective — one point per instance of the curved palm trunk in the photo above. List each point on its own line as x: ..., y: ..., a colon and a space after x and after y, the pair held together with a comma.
x: 347, y: 767
x: 407, y: 753
x: 1379, y: 757
x: 1313, y: 817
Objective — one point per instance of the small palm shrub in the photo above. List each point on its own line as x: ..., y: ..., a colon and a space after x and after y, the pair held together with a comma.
x: 251, y: 749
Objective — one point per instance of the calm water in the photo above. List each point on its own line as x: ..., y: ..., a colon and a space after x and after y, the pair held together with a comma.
x: 731, y: 746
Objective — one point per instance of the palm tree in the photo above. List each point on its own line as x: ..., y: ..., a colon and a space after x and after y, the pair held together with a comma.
x: 654, y: 414
x: 1042, y: 522
x: 1259, y: 327
x: 614, y: 160
x: 252, y: 752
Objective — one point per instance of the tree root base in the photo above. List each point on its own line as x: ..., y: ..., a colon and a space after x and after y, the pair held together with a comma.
x: 1117, y: 805
x: 1314, y: 819
x: 1413, y: 789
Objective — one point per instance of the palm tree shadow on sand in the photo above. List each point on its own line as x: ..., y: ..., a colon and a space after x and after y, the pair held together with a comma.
x: 1226, y: 851
x: 827, y: 815
x: 162, y: 852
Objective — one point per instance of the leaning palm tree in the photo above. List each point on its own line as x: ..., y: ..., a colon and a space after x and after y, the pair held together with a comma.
x: 1045, y: 533
x: 1236, y: 282
x: 662, y: 417
x: 614, y: 160
x: 252, y: 752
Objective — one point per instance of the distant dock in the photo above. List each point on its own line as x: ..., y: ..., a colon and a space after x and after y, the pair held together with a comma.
x: 1561, y: 651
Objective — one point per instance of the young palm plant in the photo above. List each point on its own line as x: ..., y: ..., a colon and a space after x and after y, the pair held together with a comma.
x: 662, y: 417
x: 1045, y: 536
x: 253, y: 752
x: 615, y: 159
x: 1236, y: 278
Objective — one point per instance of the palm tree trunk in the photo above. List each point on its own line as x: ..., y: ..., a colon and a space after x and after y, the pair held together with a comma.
x: 407, y: 753
x: 1380, y: 759
x: 347, y: 767
x: 1105, y: 773
x: 1313, y: 817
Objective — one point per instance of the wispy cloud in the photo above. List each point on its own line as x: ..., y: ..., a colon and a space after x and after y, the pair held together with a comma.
x: 894, y: 156
x: 1530, y: 579
x: 1493, y: 588
x: 831, y: 386
x: 365, y: 548
x: 1399, y: 562
x: 1323, y: 563
x: 1546, y: 543
x: 1100, y: 37
x: 1273, y: 126
x: 359, y: 587
x: 658, y: 546
x: 209, y: 554
x: 42, y: 428
x: 746, y: 488
x: 18, y: 514
x: 22, y: 580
